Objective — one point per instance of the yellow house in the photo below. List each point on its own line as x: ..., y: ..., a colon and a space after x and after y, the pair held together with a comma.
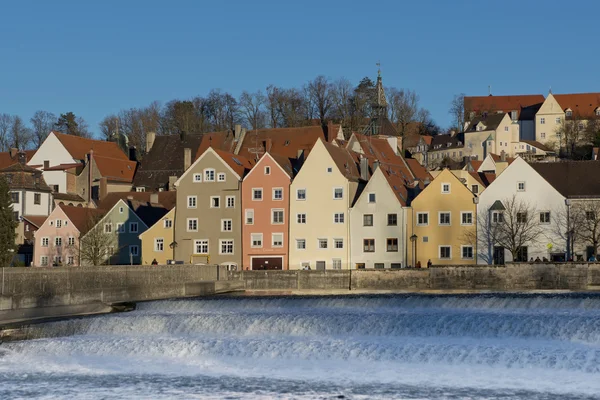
x: 156, y: 240
x: 443, y: 223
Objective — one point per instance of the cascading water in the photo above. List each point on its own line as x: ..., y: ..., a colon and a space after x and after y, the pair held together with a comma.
x: 389, y: 346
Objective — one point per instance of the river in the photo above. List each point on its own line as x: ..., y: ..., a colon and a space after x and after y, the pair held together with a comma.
x: 332, y: 347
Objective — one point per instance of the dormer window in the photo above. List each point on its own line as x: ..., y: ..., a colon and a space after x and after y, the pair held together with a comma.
x: 598, y: 111
x: 569, y: 113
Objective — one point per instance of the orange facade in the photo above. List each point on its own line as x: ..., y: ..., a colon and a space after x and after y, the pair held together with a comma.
x: 265, y: 214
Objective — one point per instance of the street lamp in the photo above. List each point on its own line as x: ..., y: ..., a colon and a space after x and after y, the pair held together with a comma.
x: 413, y: 239
x: 476, y: 202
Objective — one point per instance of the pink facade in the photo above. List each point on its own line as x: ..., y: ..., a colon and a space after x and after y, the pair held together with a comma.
x: 265, y: 214
x: 56, y: 241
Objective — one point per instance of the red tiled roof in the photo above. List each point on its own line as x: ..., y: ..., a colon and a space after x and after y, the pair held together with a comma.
x: 497, y: 158
x: 83, y: 218
x: 78, y: 147
x: 505, y: 104
x: 396, y: 182
x: 538, y: 145
x: 582, y: 104
x: 37, y: 220
x: 6, y: 160
x: 345, y: 160
x: 419, y: 171
x: 476, y: 164
x: 115, y: 169
x: 240, y: 165
x: 483, y: 178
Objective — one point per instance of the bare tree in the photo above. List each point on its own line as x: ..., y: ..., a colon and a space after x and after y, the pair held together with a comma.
x: 273, y: 94
x: 109, y: 126
x: 457, y: 111
x: 320, y: 94
x: 587, y: 214
x: 42, y: 123
x: 403, y: 107
x: 512, y: 226
x: 20, y: 135
x: 341, y: 95
x: 5, y: 125
x: 571, y: 133
x: 252, y: 109
x: 96, y: 246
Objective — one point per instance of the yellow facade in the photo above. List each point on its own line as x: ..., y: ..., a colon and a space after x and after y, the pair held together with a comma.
x: 443, y: 223
x: 151, y: 240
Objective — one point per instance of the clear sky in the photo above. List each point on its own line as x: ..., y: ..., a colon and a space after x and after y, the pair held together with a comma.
x: 97, y: 57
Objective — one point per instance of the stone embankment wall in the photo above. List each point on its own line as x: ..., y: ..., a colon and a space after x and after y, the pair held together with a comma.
x: 511, y: 277
x: 26, y: 288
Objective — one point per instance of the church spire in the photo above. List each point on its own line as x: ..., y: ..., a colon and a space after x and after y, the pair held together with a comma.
x: 380, y: 104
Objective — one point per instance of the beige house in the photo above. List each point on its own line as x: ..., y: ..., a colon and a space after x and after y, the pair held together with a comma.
x: 320, y: 196
x: 157, y: 240
x: 443, y: 222
x: 492, y: 133
x: 208, y: 218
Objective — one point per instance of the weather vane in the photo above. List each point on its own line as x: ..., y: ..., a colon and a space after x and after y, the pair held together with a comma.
x: 378, y: 68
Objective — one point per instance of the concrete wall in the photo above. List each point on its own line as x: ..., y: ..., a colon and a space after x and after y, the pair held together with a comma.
x: 512, y: 277
x: 23, y: 288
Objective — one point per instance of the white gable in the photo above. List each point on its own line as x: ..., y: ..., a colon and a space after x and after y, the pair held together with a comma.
x: 52, y: 150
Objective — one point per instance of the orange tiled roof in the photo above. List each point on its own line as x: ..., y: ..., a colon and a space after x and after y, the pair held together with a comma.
x: 239, y: 164
x: 396, y: 182
x: 582, y: 104
x: 505, y: 104
x: 37, y: 220
x: 115, y: 169
x: 83, y: 218
x: 78, y: 147
x: 6, y: 160
x: 497, y: 158
x: 345, y: 160
x: 62, y: 167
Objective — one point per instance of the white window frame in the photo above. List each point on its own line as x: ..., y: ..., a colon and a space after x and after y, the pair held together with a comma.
x: 342, y: 193
x: 247, y: 213
x: 274, y: 192
x: 298, y: 241
x: 121, y: 209
x: 228, y: 199
x: 71, y: 241
x: 45, y: 241
x: 168, y: 223
x: 201, y: 243
x: 325, y: 240
x: 335, y: 243
x: 542, y: 121
x: 440, y: 252
x: 159, y: 242
x: 549, y: 217
x: 440, y: 215
x: 253, y: 237
x: 187, y: 225
x: 108, y: 227
x: 374, y: 198
x: 275, y: 235
x: 256, y: 190
x: 423, y: 213
x: 209, y: 174
x: 221, y: 177
x: 225, y: 242
x: 197, y: 178
x: 44, y: 261
x: 336, y: 263
x: 223, y: 225
x: 273, y: 211
x: 59, y: 223
x: 558, y: 120
x: 212, y: 204
x: 300, y: 217
x: 462, y: 255
x: 120, y: 228
x: 449, y: 188
x: 337, y: 219
x: 137, y: 227
x: 267, y: 170
x: 462, y: 214
x: 298, y: 193
x: 192, y: 202
x: 58, y: 241
x: 519, y: 186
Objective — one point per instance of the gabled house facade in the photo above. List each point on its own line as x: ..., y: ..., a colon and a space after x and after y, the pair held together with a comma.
x: 157, y: 240
x: 378, y: 222
x: 29, y: 192
x: 320, y: 196
x: 522, y: 200
x: 442, y: 223
x: 208, y: 220
x: 57, y: 239
x: 265, y: 204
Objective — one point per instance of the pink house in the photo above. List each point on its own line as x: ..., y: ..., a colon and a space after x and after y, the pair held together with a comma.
x: 265, y: 208
x: 57, y: 239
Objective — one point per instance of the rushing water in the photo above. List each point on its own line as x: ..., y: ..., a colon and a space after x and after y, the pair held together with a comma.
x: 351, y: 347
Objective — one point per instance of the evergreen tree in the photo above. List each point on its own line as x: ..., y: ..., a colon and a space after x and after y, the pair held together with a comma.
x: 7, y: 225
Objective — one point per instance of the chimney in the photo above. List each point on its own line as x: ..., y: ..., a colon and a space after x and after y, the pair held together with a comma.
x: 150, y: 137
x: 154, y: 198
x: 375, y: 165
x: 187, y: 158
x: 13, y: 152
x: 132, y: 153
x: 22, y: 156
x: 46, y: 164
x: 237, y: 132
x: 90, y: 175
x: 103, y: 189
x: 503, y: 156
x: 172, y: 180
x: 364, y: 168
x: 267, y: 144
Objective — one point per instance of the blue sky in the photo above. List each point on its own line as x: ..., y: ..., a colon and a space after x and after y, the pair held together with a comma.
x: 95, y: 58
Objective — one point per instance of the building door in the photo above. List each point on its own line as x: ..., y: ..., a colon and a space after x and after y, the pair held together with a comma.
x: 498, y: 255
x: 522, y: 254
x: 589, y: 252
x: 264, y: 263
x: 321, y: 265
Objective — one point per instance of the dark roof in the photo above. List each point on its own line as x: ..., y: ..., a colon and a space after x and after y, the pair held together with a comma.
x: 484, y: 178
x: 380, y: 126
x: 165, y: 159
x: 68, y: 197
x: 442, y: 142
x: 140, y: 203
x: 346, y: 161
x: 572, y: 178
x: 21, y: 176
x: 63, y: 167
x: 284, y: 163
x: 491, y: 121
x: 538, y: 145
